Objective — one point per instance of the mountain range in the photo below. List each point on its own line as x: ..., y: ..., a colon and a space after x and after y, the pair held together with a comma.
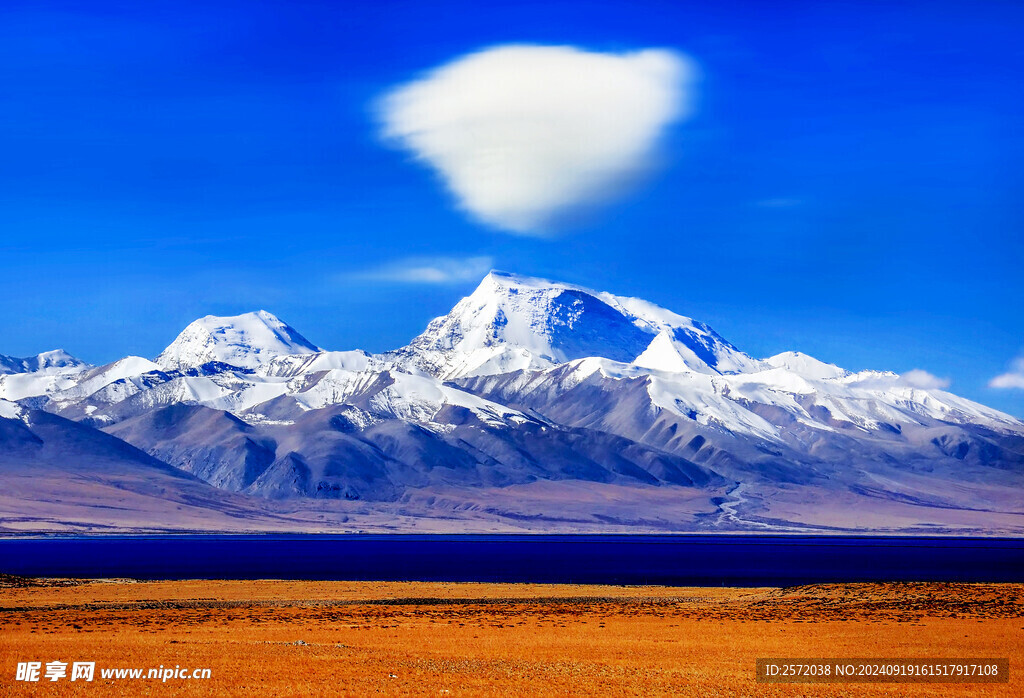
x: 531, y: 406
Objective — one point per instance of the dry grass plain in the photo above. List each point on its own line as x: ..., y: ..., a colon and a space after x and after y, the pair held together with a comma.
x: 282, y: 638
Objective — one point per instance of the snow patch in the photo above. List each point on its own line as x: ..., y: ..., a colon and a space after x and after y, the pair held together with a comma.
x: 10, y: 410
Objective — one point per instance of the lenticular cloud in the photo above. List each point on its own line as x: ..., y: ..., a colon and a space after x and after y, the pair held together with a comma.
x: 525, y: 136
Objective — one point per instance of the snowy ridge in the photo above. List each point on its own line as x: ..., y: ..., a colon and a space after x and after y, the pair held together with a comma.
x: 508, y: 324
x: 298, y: 364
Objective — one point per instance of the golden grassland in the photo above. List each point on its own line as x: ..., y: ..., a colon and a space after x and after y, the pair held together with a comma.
x: 285, y: 638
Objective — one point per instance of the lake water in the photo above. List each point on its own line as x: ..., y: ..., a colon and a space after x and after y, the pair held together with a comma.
x: 698, y: 560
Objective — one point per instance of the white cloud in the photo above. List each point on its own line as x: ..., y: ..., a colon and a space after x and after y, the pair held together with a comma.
x: 1014, y: 378
x: 431, y: 270
x: 526, y: 136
x: 918, y: 378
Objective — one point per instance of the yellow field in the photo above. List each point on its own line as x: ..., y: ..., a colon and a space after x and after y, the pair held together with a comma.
x: 282, y: 638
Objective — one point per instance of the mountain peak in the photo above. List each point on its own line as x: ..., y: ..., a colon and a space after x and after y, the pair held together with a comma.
x: 512, y: 322
x: 56, y: 361
x: 245, y: 341
x: 665, y: 354
x: 806, y: 366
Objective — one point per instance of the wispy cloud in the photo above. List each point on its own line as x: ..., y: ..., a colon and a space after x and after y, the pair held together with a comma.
x: 1014, y: 378
x: 918, y: 378
x: 525, y: 136
x: 430, y: 270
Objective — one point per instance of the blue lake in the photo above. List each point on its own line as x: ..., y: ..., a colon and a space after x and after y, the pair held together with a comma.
x: 698, y: 560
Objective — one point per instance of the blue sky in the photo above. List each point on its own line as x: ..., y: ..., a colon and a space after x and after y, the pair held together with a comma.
x: 849, y: 183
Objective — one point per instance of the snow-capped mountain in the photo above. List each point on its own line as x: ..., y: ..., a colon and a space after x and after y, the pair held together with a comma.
x: 529, y: 392
x: 513, y: 322
x: 244, y: 341
x: 48, y: 372
x: 57, y: 361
